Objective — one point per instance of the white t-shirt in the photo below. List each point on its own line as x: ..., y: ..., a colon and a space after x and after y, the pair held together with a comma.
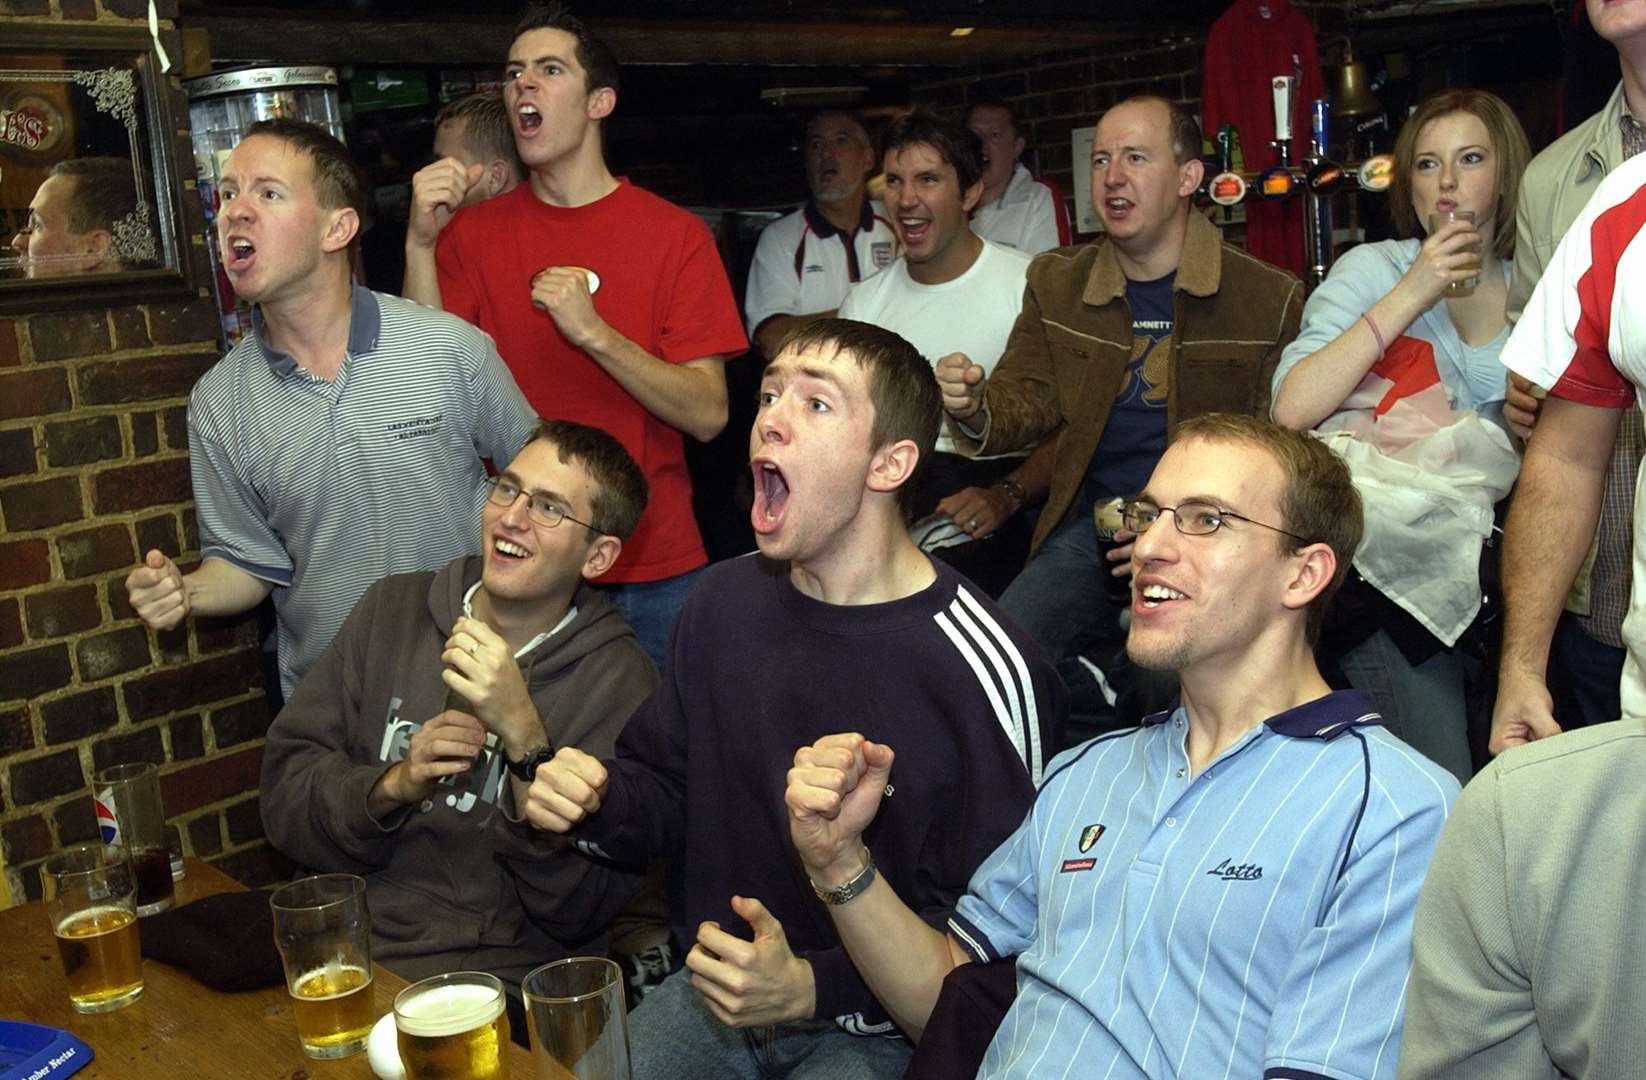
x: 973, y: 314
x: 1583, y: 335
x: 1030, y: 215
x: 802, y: 264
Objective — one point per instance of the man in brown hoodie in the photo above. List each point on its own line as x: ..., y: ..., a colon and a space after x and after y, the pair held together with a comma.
x: 402, y: 754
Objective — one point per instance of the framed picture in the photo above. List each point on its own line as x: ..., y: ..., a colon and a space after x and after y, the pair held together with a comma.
x: 91, y: 192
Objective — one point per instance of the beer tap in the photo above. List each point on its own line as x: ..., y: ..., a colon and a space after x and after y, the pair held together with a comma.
x: 1321, y: 177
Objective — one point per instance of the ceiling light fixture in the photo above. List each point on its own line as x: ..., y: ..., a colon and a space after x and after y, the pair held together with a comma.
x: 963, y: 31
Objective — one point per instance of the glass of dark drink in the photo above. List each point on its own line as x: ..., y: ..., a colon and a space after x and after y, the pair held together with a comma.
x: 126, y: 800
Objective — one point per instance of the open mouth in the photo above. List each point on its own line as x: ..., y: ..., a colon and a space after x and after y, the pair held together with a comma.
x: 529, y: 119
x: 914, y: 229
x: 508, y: 550
x: 1117, y: 208
x: 1152, y: 596
x: 771, y: 496
x: 238, y: 253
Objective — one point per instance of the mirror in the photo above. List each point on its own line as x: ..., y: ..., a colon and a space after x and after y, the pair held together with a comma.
x: 90, y: 193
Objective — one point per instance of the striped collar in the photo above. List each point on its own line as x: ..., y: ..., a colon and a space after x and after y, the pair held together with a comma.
x: 365, y: 323
x: 823, y: 227
x: 1323, y: 718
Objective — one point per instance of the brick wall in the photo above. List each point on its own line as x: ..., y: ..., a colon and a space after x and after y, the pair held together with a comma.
x: 1056, y: 94
x: 93, y: 472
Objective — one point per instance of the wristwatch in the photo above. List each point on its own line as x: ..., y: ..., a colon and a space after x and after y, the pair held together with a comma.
x: 851, y: 889
x: 1013, y: 489
x: 526, y: 767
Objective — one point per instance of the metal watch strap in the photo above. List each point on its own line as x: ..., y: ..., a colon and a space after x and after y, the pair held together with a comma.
x: 526, y: 767
x: 1013, y: 488
x: 851, y: 889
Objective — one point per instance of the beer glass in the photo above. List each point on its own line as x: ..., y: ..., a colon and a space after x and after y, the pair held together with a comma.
x: 129, y: 813
x: 323, y: 931
x: 91, y: 898
x: 1467, y: 286
x: 578, y: 1018
x: 453, y: 1027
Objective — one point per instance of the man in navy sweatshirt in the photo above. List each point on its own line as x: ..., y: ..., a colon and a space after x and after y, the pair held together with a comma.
x: 839, y: 621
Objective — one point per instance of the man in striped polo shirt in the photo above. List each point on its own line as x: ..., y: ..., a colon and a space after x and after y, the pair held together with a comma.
x: 1225, y: 891
x: 839, y: 615
x: 342, y: 440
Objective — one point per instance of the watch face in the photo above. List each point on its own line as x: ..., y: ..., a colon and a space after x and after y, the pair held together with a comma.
x: 526, y: 768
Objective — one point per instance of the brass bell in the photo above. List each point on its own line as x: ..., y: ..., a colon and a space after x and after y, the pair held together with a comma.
x: 1351, y: 96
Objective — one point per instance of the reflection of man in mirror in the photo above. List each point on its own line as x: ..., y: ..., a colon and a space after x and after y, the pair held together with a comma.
x: 70, y: 227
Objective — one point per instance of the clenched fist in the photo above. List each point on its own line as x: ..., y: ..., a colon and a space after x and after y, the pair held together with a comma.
x: 157, y: 592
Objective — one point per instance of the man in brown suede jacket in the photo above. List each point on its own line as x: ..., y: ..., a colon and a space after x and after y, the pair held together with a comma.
x: 1119, y: 341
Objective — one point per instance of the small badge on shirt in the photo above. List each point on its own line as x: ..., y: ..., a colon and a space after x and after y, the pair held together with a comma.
x: 1089, y: 836
x: 881, y: 252
x: 1072, y: 865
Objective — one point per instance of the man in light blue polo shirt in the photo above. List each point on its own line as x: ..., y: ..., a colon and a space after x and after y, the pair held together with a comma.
x: 1225, y: 891
x: 342, y: 440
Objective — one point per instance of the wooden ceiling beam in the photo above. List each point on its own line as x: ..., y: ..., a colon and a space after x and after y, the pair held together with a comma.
x: 339, y: 38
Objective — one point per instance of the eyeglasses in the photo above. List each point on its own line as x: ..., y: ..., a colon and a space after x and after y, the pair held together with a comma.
x: 539, y: 507
x: 1191, y: 518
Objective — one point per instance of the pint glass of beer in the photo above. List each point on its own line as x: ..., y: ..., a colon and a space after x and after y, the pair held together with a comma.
x: 579, y: 1020
x: 324, y: 934
x: 92, y: 900
x: 1467, y: 286
x: 129, y: 813
x: 453, y: 1027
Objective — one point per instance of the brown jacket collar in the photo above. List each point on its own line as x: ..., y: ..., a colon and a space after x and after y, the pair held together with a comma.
x: 1199, y: 270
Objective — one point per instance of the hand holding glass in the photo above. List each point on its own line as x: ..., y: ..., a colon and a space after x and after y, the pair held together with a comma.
x: 1467, y: 286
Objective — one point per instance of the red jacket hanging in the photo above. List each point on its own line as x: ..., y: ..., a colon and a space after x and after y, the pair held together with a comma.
x: 1249, y: 44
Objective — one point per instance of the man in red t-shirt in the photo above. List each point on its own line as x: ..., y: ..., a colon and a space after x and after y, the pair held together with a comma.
x: 610, y: 305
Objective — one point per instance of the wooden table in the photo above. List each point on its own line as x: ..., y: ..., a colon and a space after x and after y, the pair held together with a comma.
x: 178, y: 1029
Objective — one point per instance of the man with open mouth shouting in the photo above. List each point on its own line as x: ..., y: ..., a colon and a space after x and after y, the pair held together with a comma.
x: 838, y: 621
x: 341, y: 440
x: 610, y: 305
x: 806, y: 261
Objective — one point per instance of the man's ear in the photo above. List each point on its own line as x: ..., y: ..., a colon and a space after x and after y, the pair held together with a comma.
x: 498, y: 173
x: 1193, y: 172
x: 893, y: 465
x: 602, y: 554
x: 1017, y: 148
x: 973, y: 195
x: 1314, y: 568
x: 341, y: 228
x: 96, y: 246
x: 602, y: 102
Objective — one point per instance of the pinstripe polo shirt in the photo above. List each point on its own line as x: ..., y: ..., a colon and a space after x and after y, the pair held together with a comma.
x: 1254, y: 920
x: 323, y: 487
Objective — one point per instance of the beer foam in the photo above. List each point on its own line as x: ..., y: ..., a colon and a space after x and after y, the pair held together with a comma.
x: 448, y: 1010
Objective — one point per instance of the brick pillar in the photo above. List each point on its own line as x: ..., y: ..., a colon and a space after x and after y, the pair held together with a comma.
x: 94, y: 471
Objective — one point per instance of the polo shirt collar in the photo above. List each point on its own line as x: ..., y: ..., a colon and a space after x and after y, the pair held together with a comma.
x: 365, y: 324
x: 1323, y: 718
x: 1199, y: 268
x: 823, y: 227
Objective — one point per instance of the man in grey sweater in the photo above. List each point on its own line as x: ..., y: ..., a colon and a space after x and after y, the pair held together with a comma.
x: 407, y: 748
